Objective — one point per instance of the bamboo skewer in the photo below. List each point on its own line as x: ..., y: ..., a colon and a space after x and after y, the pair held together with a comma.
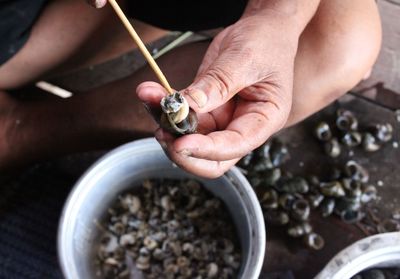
x: 141, y: 46
x: 173, y: 44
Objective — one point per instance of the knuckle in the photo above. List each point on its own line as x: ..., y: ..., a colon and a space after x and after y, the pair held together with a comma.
x: 222, y: 79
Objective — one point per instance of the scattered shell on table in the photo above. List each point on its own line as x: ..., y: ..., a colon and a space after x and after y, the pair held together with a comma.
x: 299, y: 229
x: 357, y: 172
x: 323, y: 131
x: 346, y: 121
x: 332, y: 148
x: 301, y: 210
x: 343, y: 190
x: 370, y: 143
x: 328, y: 206
x: 314, y: 241
x: 384, y: 132
x: 352, y: 138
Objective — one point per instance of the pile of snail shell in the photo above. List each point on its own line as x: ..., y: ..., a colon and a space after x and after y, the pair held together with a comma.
x: 288, y: 200
x: 168, y: 228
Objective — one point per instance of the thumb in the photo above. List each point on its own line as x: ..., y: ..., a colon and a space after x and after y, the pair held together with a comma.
x: 231, y: 71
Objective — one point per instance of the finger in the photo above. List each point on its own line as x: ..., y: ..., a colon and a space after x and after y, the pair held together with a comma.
x: 199, y: 167
x: 245, y: 133
x: 230, y: 72
x: 151, y: 92
x: 97, y: 3
x: 203, y: 168
x: 211, y: 53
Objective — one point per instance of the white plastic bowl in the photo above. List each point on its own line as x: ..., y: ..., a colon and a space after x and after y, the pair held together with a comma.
x: 124, y: 167
x: 381, y: 250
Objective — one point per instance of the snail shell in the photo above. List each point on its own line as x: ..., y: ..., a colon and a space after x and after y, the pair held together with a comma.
x: 328, y: 206
x: 177, y: 117
x: 370, y: 143
x: 346, y: 121
x: 314, y: 241
x: 323, y: 131
x: 332, y: 148
x: 384, y: 132
x: 301, y: 210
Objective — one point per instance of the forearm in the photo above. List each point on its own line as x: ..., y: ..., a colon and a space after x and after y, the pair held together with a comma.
x: 294, y: 13
x: 329, y: 62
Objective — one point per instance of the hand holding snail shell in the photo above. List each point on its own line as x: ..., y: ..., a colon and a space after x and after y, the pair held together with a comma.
x: 177, y: 117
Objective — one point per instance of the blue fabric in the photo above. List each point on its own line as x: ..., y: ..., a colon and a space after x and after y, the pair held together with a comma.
x: 16, y: 20
x: 18, y: 16
x: 184, y: 15
x: 30, y: 208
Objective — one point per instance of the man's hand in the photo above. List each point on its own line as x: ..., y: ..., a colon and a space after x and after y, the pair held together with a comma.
x: 97, y: 3
x: 242, y: 94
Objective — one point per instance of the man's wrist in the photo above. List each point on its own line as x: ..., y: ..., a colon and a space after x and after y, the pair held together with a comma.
x: 295, y: 13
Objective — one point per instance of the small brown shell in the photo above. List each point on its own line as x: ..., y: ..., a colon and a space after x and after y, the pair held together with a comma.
x: 323, y: 131
x: 177, y: 117
x: 187, y: 126
x: 314, y: 241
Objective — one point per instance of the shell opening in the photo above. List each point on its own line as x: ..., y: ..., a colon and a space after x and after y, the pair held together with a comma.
x: 176, y: 106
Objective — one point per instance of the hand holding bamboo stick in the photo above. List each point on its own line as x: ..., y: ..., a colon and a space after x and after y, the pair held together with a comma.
x: 177, y: 117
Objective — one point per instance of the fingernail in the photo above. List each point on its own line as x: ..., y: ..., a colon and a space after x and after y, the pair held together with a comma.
x: 99, y: 3
x: 94, y: 3
x: 198, y: 96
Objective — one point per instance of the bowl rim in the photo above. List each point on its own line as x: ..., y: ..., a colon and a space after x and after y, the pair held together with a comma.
x: 149, y: 144
x: 380, y: 250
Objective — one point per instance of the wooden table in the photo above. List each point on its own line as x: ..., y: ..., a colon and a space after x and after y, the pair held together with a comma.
x: 307, y: 157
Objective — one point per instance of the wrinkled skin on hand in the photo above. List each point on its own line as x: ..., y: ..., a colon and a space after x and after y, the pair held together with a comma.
x: 242, y: 94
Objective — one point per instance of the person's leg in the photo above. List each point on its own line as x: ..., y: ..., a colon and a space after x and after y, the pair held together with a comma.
x: 69, y: 34
x: 101, y: 118
x: 336, y: 50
